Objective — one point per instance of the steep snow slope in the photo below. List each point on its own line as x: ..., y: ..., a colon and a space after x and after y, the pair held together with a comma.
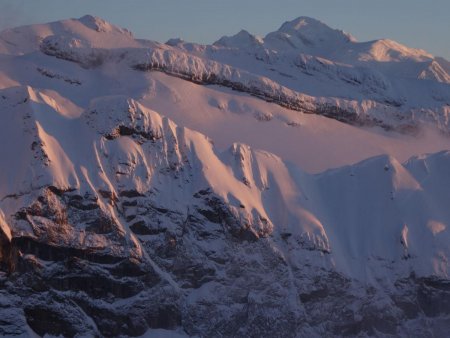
x: 134, y: 201
x: 131, y: 181
x: 444, y: 64
x: 314, y: 143
x: 86, y: 152
x: 210, y: 108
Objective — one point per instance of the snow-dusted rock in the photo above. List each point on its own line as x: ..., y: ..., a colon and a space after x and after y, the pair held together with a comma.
x: 116, y: 220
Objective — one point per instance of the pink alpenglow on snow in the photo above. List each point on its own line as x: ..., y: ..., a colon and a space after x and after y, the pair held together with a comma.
x: 251, y: 187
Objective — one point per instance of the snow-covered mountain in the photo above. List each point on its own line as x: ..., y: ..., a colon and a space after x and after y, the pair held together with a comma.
x: 256, y: 187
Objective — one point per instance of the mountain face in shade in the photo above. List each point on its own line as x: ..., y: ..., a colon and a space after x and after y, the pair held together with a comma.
x: 295, y: 185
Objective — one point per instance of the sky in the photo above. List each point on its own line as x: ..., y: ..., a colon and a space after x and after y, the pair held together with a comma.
x: 416, y: 23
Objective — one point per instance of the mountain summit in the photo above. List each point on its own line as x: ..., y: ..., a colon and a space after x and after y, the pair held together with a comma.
x: 314, y: 31
x: 241, y: 39
x: 251, y: 187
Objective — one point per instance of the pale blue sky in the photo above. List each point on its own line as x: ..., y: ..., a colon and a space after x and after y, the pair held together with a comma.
x: 416, y: 23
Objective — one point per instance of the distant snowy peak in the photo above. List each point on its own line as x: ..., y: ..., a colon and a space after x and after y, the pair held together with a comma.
x: 92, y: 31
x: 305, y: 66
x: 300, y: 33
x: 241, y: 39
x: 100, y: 25
x: 305, y: 32
x: 386, y: 50
x: 312, y: 32
x: 312, y: 37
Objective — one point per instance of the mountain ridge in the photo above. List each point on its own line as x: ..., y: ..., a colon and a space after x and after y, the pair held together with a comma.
x: 154, y: 188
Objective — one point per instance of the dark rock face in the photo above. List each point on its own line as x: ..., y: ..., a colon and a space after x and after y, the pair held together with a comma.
x: 434, y: 296
x: 6, y: 261
x: 66, y: 289
x: 119, y: 263
x: 43, y: 320
x: 62, y: 284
